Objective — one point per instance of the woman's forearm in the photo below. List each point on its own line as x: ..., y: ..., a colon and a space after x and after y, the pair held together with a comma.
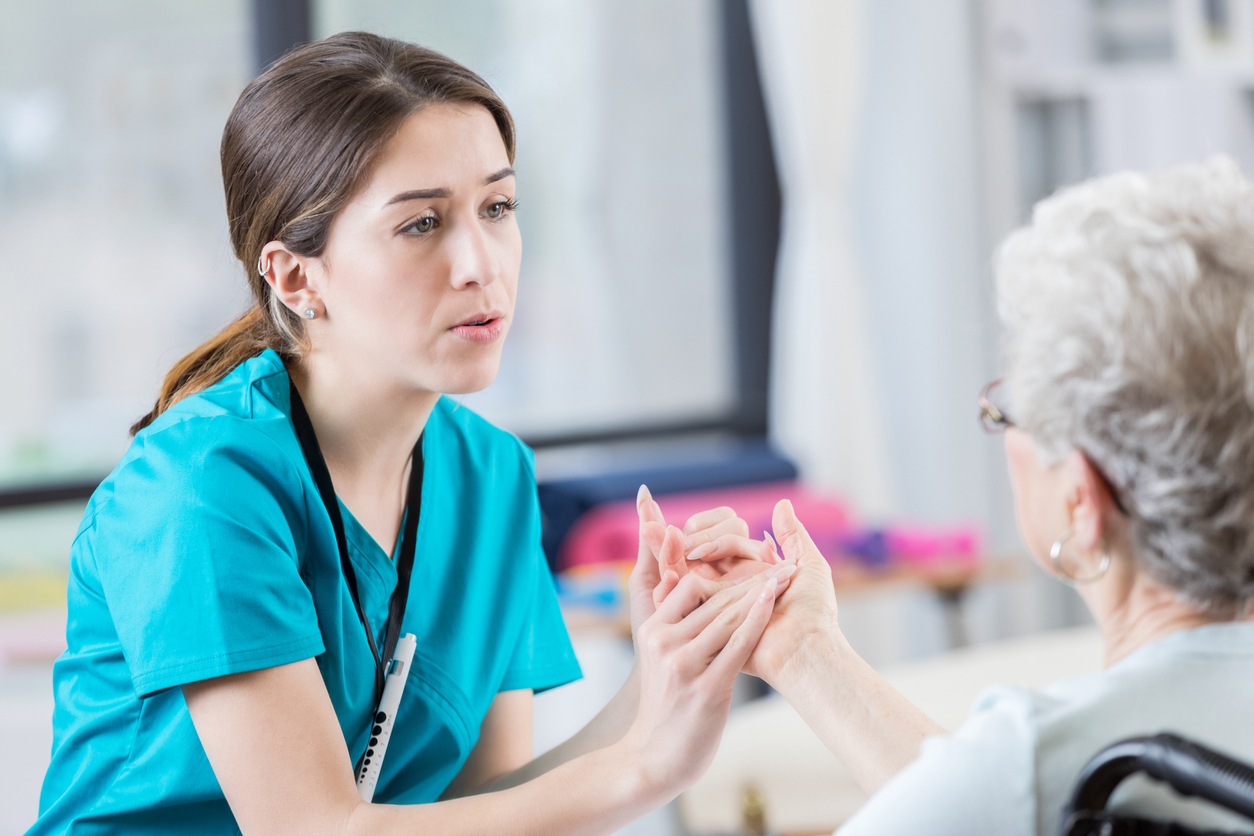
x: 596, y: 793
x: 604, y: 730
x: 863, y: 720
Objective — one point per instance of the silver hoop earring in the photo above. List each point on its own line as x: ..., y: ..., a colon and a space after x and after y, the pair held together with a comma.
x: 309, y: 313
x: 262, y: 269
x: 1055, y: 559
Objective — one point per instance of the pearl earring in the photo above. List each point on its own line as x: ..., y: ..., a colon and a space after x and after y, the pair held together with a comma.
x: 309, y: 313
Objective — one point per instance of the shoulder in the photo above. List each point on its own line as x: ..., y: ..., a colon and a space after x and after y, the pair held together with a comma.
x: 458, y: 433
x: 213, y: 442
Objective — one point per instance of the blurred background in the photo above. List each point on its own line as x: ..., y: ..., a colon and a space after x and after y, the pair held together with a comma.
x: 757, y: 237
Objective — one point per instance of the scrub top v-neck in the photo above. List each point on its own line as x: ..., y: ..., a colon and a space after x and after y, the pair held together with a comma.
x: 208, y: 551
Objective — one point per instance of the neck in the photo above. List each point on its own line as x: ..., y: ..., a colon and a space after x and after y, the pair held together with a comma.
x: 366, y: 425
x: 1133, y: 610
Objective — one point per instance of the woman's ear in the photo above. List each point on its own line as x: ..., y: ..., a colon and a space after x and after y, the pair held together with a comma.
x: 1089, y: 501
x: 288, y: 277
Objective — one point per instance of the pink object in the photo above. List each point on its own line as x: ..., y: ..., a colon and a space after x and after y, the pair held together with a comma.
x: 32, y: 636
x: 609, y: 532
x: 929, y: 544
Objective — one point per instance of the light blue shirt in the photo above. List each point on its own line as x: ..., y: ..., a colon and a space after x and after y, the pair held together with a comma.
x: 1011, y: 767
x: 208, y: 551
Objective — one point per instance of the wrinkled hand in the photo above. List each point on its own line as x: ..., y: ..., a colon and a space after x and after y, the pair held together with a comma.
x: 713, y: 544
x: 806, y: 613
x: 690, y: 651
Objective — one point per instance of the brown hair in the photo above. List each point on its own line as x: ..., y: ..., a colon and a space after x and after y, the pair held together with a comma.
x: 296, y: 146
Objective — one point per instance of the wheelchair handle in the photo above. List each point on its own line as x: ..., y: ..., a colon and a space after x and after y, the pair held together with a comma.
x: 1190, y: 769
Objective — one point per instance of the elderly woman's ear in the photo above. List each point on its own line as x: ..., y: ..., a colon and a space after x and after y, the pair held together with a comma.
x: 1090, y: 504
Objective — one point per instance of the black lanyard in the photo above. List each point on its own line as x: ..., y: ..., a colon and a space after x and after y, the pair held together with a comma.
x: 404, y: 565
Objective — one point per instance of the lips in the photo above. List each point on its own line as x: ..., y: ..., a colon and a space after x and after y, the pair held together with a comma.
x: 482, y: 328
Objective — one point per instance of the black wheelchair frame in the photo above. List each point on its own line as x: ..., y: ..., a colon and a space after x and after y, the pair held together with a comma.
x: 1189, y: 768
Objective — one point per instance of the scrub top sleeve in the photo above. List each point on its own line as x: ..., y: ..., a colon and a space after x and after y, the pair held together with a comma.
x: 198, y: 557
x: 543, y: 657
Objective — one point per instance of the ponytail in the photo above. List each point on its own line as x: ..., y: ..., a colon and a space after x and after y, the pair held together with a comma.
x: 246, y: 337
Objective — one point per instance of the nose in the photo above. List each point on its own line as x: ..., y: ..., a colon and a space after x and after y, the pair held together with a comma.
x: 472, y: 257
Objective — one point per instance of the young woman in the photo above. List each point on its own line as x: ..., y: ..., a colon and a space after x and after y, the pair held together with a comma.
x: 302, y: 496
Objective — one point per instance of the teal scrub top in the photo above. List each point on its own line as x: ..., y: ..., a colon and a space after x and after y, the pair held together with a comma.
x: 208, y: 551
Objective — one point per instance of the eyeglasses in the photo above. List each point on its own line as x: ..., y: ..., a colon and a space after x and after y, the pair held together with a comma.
x: 992, y: 418
x: 995, y: 420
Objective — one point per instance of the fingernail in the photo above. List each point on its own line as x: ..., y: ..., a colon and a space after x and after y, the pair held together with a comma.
x: 768, y: 591
x: 784, y: 569
x: 700, y: 552
x: 641, y: 496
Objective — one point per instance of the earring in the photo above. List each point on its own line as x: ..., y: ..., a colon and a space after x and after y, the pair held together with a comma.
x: 309, y: 313
x: 1055, y: 559
x: 262, y: 269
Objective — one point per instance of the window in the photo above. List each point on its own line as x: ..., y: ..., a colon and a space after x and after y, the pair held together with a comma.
x: 624, y: 316
x: 114, y: 256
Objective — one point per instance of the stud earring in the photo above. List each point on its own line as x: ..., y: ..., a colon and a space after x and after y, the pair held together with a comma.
x: 309, y: 313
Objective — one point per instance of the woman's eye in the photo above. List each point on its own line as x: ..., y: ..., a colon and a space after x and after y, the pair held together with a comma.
x: 422, y: 225
x: 496, y: 210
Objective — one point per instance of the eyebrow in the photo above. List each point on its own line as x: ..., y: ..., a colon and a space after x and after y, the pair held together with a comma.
x: 431, y: 194
x: 508, y: 171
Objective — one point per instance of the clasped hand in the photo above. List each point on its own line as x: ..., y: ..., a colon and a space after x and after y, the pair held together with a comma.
x: 701, y: 599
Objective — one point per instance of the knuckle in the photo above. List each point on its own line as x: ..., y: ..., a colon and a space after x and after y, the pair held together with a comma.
x: 687, y: 582
x: 654, y: 644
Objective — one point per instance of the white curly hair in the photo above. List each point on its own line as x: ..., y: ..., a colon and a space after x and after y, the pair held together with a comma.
x: 1128, y: 313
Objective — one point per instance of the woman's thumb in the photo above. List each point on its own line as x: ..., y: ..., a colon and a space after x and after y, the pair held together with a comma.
x: 792, y: 535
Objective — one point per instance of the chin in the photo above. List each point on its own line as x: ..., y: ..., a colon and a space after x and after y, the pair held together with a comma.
x: 469, y: 381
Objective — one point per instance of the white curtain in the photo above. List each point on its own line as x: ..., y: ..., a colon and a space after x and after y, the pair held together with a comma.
x: 825, y: 410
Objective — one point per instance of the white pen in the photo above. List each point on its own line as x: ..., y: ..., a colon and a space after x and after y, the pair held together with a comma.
x: 381, y: 730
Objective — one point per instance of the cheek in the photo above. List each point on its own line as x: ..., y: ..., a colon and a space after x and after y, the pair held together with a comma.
x: 511, y: 260
x: 1026, y: 477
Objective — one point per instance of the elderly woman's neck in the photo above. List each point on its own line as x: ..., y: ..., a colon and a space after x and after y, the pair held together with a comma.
x: 1133, y: 610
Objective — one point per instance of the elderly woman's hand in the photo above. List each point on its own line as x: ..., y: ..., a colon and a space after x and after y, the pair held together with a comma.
x: 803, y: 626
x: 870, y: 727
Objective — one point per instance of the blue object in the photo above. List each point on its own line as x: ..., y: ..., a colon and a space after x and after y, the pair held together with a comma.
x: 207, y: 552
x: 603, y: 592
x: 563, y: 502
x: 869, y: 546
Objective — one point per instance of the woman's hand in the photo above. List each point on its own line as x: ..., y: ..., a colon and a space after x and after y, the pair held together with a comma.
x: 803, y: 624
x: 863, y: 720
x: 689, y: 652
x: 713, y: 544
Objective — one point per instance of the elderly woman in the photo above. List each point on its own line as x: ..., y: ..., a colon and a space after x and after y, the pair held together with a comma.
x: 1128, y: 412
